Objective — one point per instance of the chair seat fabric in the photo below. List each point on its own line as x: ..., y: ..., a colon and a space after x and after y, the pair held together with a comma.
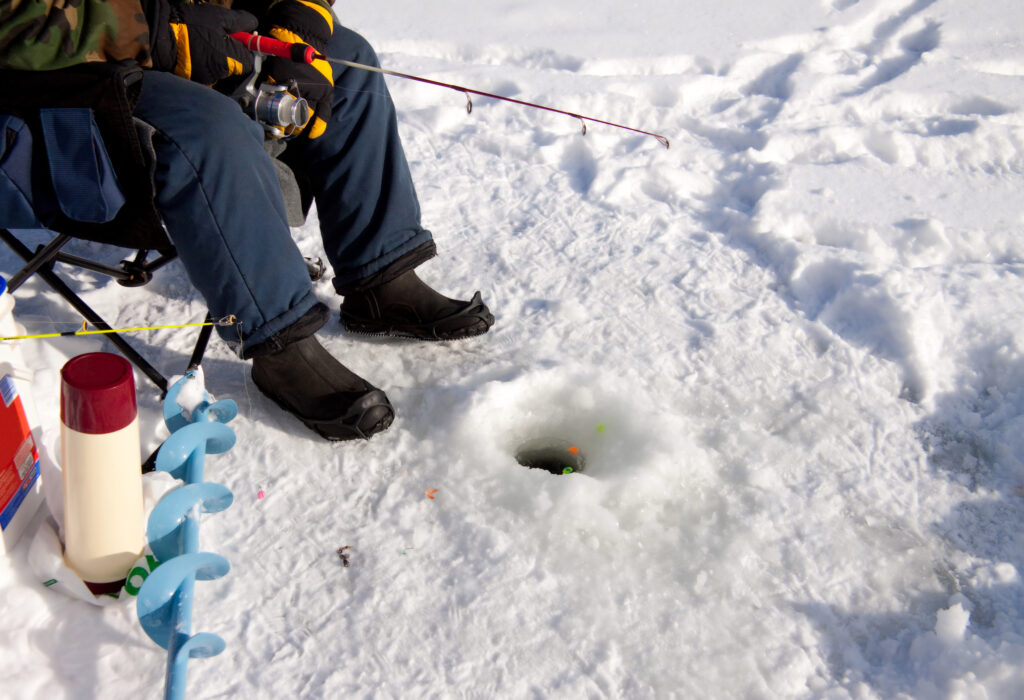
x: 16, y: 201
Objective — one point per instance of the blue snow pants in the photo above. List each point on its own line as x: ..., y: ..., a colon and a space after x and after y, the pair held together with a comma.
x: 219, y: 196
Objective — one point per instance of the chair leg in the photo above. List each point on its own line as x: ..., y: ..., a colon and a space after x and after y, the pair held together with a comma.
x: 57, y: 284
x: 201, y: 342
x: 42, y: 257
x: 94, y: 318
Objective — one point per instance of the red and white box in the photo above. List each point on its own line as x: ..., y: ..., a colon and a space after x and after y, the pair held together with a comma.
x: 20, y: 492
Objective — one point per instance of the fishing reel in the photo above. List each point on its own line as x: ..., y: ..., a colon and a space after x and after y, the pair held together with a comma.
x: 275, y: 107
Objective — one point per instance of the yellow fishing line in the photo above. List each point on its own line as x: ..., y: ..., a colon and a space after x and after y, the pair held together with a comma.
x: 226, y: 321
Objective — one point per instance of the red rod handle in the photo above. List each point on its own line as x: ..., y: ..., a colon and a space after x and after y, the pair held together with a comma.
x: 302, y: 53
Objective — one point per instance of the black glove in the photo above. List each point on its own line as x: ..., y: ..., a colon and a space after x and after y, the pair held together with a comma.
x: 191, y: 40
x: 304, y: 22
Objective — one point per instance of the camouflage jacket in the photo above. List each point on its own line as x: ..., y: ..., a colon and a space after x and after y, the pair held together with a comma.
x: 51, y: 34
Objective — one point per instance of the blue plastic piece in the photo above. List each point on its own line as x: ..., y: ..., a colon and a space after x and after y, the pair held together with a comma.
x: 160, y: 602
x: 164, y: 530
x: 191, y: 444
x: 202, y: 646
x: 164, y: 603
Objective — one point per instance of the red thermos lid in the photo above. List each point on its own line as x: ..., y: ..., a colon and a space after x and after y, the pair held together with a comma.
x: 97, y: 393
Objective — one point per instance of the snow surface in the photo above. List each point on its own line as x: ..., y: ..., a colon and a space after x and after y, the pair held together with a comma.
x: 790, y: 348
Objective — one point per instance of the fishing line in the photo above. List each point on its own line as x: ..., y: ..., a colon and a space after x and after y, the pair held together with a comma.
x: 226, y: 321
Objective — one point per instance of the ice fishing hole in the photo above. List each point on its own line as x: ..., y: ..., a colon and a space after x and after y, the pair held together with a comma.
x: 551, y: 454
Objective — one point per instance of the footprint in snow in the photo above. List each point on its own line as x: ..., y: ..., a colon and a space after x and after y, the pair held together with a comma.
x: 580, y: 165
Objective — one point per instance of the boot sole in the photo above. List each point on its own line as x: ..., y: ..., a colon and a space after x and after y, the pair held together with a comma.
x: 379, y: 330
x: 474, y: 309
x: 340, y: 429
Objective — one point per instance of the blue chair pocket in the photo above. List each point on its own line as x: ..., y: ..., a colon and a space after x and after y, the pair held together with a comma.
x: 65, y: 172
x: 81, y: 172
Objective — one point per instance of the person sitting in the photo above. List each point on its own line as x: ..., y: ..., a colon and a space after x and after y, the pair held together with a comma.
x: 218, y: 194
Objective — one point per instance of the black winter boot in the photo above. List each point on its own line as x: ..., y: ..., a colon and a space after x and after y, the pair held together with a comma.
x: 305, y: 380
x: 407, y: 307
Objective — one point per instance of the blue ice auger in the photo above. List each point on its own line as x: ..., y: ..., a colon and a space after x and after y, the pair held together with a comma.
x: 165, y: 599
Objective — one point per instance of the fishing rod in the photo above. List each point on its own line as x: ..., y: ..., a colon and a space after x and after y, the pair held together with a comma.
x: 303, y: 53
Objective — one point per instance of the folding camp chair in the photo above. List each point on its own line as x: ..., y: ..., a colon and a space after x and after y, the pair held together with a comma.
x: 59, y: 153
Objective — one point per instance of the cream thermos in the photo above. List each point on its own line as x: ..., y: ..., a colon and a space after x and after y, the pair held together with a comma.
x: 100, y: 456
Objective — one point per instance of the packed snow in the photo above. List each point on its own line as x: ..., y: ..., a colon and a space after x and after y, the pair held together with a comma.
x: 790, y: 348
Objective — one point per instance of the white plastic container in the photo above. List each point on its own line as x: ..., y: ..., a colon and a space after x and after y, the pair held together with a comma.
x: 20, y: 485
x: 101, y: 459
